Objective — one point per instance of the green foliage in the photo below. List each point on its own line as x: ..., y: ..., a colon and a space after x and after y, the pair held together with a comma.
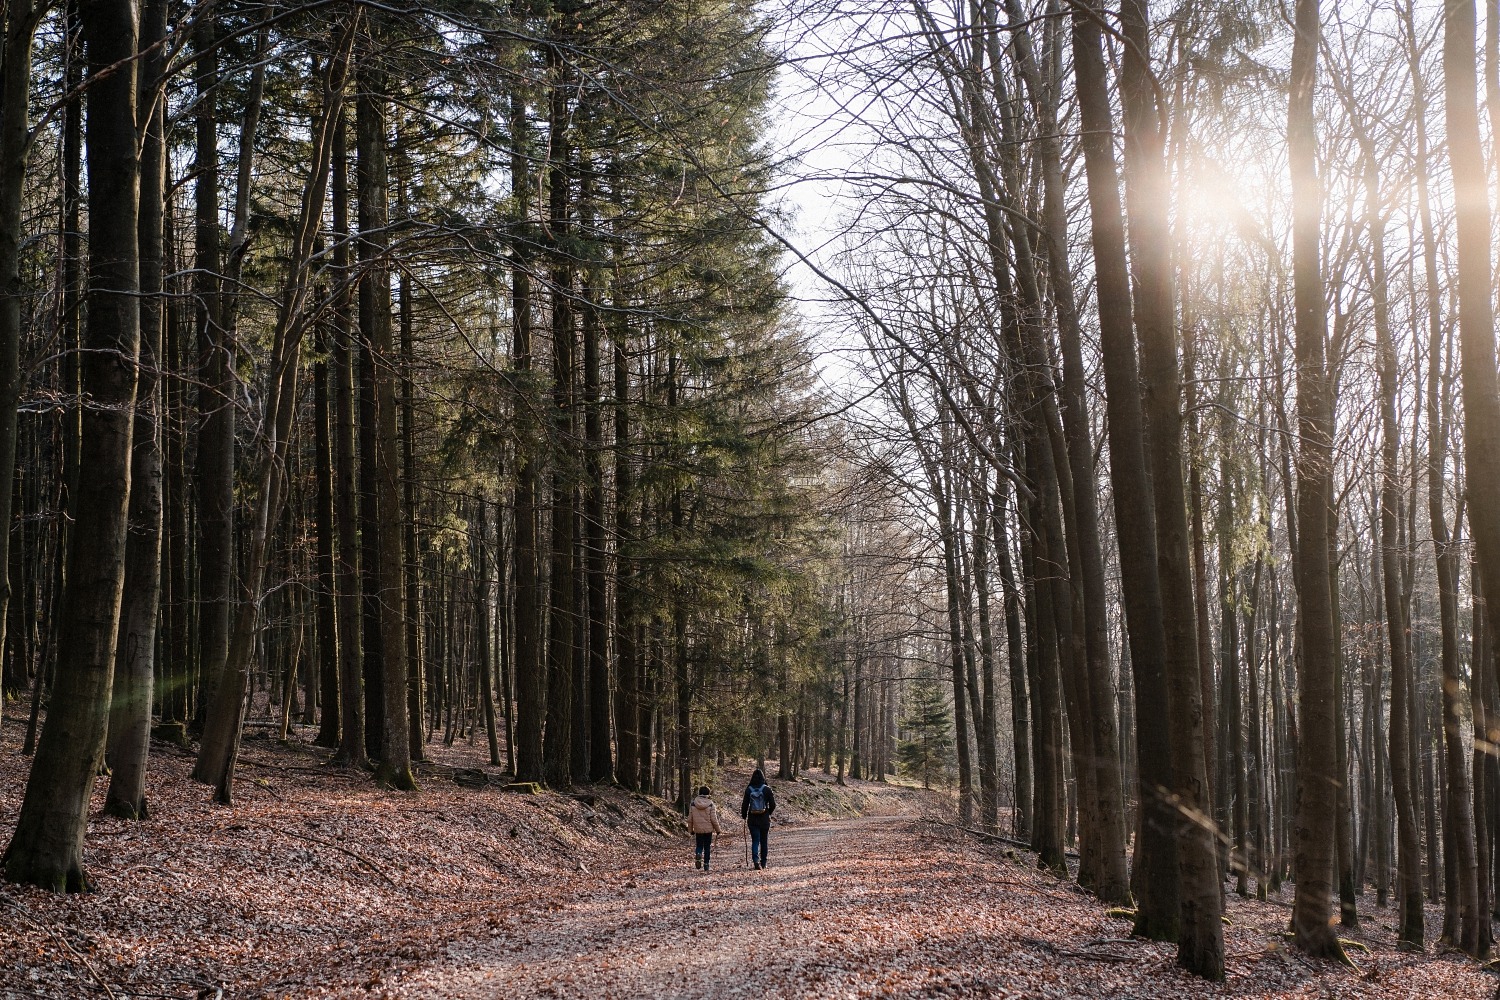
x: 926, y: 752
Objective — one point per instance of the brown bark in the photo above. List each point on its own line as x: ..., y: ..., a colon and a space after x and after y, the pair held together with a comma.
x: 214, y: 465
x: 375, y: 319
x: 1104, y: 804
x: 221, y: 732
x: 627, y: 653
x: 562, y: 618
x: 346, y: 566
x: 1201, y: 935
x: 1317, y: 776
x: 135, y: 655
x: 601, y: 767
x: 529, y: 665
x: 323, y: 521
x: 46, y: 848
x: 1476, y: 320
x: 20, y: 24
x: 1156, y: 885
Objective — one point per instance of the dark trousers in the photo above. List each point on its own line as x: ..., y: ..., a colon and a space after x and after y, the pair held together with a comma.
x: 758, y: 842
x: 703, y: 847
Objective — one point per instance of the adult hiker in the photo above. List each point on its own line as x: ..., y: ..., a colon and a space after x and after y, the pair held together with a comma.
x: 756, y: 807
x: 703, y: 823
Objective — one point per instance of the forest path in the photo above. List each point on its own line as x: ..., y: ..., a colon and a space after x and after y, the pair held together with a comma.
x: 888, y: 907
x: 668, y: 930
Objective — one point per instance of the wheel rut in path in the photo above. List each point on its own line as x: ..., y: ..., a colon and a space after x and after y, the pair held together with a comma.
x: 667, y: 930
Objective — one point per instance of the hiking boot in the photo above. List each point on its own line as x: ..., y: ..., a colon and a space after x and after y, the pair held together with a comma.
x: 697, y: 862
x: 757, y: 866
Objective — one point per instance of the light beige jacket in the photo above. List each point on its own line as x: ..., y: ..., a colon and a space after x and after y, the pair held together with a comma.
x: 703, y: 817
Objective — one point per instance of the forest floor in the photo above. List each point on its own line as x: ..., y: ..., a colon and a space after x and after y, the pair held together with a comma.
x: 318, y: 884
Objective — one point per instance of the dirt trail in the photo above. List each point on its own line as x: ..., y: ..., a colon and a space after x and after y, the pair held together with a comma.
x: 885, y: 907
x: 668, y: 930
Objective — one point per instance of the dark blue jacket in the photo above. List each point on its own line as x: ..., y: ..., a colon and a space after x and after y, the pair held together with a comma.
x: 762, y: 820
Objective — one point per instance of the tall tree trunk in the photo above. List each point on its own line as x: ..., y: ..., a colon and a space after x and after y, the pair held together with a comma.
x: 530, y: 667
x: 1020, y: 716
x: 177, y: 675
x: 938, y: 489
x: 1229, y: 669
x: 46, y: 848
x: 375, y: 322
x: 989, y: 806
x: 482, y: 611
x: 411, y: 565
x: 1157, y: 884
x: 1410, y: 931
x: 627, y: 652
x: 601, y: 767
x: 221, y: 732
x: 1317, y: 776
x: 1047, y: 738
x: 1096, y: 694
x: 1201, y: 935
x: 135, y: 655
x: 217, y: 493
x: 323, y: 520
x: 562, y: 619
x: 1476, y: 321
x: 21, y: 19
x: 214, y: 464
x: 346, y: 478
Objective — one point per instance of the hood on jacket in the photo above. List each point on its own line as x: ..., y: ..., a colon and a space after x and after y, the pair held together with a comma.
x: 757, y: 779
x: 702, y: 802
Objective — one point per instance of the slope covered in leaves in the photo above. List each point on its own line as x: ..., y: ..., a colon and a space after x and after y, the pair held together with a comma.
x: 316, y: 882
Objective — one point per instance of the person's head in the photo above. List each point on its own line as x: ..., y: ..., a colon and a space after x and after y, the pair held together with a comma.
x: 703, y: 790
x: 757, y: 778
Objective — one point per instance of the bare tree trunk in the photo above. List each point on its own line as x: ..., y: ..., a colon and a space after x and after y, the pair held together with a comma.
x: 989, y: 806
x: 323, y: 521
x: 411, y: 546
x: 46, y: 848
x: 1476, y: 320
x: 627, y: 652
x: 596, y: 557
x: 1106, y: 826
x: 1409, y: 859
x: 214, y: 464
x: 530, y: 667
x: 482, y: 609
x: 1157, y: 881
x: 20, y: 24
x: 1020, y: 715
x: 375, y: 319
x: 135, y: 655
x: 1229, y: 671
x: 346, y: 567
x: 1317, y: 776
x: 562, y: 631
x: 221, y: 732
x: 1201, y: 937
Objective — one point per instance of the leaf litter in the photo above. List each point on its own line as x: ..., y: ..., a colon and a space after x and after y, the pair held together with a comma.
x: 319, y: 884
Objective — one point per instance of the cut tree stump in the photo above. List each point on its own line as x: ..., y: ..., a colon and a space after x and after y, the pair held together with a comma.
x: 523, y: 787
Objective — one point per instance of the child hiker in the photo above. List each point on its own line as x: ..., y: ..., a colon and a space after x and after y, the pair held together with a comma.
x: 703, y: 823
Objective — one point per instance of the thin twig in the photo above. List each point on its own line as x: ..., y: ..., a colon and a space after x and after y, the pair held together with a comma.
x: 62, y: 941
x: 1104, y: 956
x: 338, y: 847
